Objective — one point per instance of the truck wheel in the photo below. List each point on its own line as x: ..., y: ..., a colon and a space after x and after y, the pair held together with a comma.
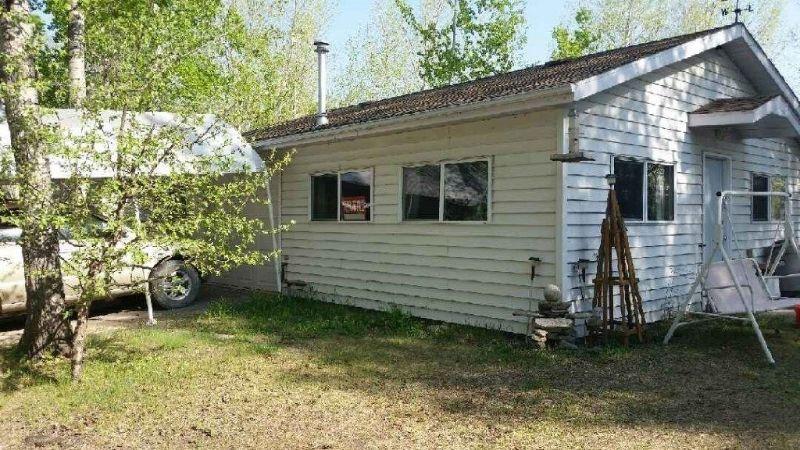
x: 174, y: 284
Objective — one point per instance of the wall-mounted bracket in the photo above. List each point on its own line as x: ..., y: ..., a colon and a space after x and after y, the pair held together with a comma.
x: 570, y: 157
x: 534, y: 262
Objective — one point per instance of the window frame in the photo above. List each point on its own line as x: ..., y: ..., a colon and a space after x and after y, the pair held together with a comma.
x: 645, y: 163
x: 770, y: 219
x: 442, y: 164
x: 338, y: 174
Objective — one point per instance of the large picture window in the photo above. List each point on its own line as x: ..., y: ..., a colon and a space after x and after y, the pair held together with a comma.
x: 452, y: 192
x: 342, y: 196
x: 767, y: 208
x: 645, y: 190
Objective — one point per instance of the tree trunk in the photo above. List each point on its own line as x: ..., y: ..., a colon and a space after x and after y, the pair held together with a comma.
x: 46, y: 327
x: 79, y: 340
x: 76, y: 47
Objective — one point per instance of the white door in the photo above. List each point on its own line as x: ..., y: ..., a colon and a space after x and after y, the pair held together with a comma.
x: 715, y: 179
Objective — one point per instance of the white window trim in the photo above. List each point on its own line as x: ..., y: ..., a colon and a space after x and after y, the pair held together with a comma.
x: 441, y: 164
x: 770, y: 219
x: 645, y: 162
x: 338, y: 174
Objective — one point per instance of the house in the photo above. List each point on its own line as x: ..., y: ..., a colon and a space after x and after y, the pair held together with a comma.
x: 444, y: 202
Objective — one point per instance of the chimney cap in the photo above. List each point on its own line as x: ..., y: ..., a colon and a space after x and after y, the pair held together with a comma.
x: 319, y: 43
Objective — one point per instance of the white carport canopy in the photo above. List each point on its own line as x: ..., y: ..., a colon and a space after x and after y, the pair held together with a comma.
x: 206, y: 136
x: 752, y: 117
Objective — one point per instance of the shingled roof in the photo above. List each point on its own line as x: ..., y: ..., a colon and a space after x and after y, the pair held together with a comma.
x: 550, y: 75
x: 734, y: 104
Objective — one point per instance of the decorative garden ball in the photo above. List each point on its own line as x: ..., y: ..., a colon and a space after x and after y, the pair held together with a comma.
x: 552, y: 293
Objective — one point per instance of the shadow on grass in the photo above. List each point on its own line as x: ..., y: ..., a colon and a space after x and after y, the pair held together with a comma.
x: 713, y: 376
x: 18, y: 372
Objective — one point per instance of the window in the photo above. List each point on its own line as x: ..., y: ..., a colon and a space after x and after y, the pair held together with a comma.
x: 629, y: 187
x: 421, y: 192
x: 452, y: 192
x: 645, y: 187
x: 778, y: 204
x: 766, y: 208
x: 466, y: 188
x: 342, y: 196
x: 660, y: 192
x: 324, y: 196
x: 760, y: 205
x: 356, y: 196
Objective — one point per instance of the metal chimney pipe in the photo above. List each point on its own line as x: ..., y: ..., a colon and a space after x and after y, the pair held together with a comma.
x: 322, y: 83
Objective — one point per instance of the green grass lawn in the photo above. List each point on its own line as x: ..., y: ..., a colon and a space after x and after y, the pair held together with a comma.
x: 288, y: 373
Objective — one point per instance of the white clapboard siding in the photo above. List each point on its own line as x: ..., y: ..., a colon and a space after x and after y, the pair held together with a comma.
x: 647, y: 118
x: 466, y: 273
x: 260, y: 277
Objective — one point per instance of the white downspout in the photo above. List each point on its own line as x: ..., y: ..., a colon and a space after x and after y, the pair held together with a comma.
x: 275, y: 246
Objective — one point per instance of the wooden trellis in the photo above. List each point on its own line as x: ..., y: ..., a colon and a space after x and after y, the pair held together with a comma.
x: 608, y: 282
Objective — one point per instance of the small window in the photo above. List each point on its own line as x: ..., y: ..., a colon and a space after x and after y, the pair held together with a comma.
x: 452, y: 192
x: 630, y: 187
x: 421, y: 192
x: 645, y: 187
x: 760, y: 205
x: 324, y: 197
x: 778, y: 204
x: 356, y: 195
x: 343, y: 196
x: 660, y: 192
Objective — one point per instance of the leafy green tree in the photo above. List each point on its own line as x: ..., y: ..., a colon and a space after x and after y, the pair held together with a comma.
x: 481, y: 39
x: 579, y: 42
x: 381, y: 59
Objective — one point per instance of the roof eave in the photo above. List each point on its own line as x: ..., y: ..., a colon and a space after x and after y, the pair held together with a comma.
x: 489, y: 108
x: 778, y: 106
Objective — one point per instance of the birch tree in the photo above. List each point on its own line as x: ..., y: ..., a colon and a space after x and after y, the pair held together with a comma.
x: 45, y: 325
x: 77, y: 45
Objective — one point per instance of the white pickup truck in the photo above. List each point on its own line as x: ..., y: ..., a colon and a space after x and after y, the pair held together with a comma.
x: 172, y: 282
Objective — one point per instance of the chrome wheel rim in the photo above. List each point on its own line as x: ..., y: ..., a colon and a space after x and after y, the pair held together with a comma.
x: 177, y: 285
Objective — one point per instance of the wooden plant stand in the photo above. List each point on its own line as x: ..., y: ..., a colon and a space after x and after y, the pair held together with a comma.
x: 614, y: 240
